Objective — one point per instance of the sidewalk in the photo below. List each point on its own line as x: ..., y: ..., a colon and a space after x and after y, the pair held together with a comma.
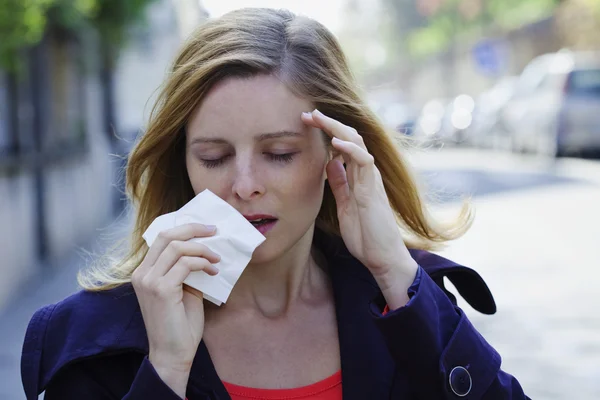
x: 56, y: 281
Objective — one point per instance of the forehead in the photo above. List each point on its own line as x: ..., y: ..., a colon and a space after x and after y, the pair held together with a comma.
x: 248, y: 106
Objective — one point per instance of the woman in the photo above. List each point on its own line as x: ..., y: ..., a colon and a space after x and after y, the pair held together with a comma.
x: 261, y: 109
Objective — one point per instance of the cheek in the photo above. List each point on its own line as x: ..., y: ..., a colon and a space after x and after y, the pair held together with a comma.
x: 194, y: 173
x: 202, y: 178
x: 303, y: 182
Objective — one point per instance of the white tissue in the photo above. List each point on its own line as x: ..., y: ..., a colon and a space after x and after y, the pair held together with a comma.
x: 235, y: 241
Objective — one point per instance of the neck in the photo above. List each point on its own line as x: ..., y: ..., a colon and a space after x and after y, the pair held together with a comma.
x: 274, y: 287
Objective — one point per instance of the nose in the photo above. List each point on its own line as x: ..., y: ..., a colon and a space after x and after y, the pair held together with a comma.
x: 247, y: 184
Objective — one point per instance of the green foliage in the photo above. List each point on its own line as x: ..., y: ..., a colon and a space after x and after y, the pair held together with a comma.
x: 405, y: 15
x: 71, y: 14
x: 23, y: 22
x: 594, y: 5
x: 113, y: 17
x: 428, y: 34
x: 514, y: 13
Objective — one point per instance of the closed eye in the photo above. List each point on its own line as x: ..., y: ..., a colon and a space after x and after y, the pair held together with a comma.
x: 214, y: 163
x: 280, y: 158
x: 283, y: 158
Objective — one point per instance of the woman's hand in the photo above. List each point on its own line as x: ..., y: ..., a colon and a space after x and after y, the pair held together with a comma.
x: 367, y: 222
x: 174, y: 314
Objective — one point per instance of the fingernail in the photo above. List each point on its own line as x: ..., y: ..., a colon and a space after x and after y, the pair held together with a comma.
x: 211, y: 228
x: 306, y: 114
x: 317, y: 112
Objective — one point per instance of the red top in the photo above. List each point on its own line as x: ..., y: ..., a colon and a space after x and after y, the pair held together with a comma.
x: 327, y: 389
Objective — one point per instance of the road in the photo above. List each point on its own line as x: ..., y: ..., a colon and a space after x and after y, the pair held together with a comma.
x: 535, y: 240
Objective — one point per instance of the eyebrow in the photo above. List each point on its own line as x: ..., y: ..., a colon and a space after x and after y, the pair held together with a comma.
x: 259, y: 138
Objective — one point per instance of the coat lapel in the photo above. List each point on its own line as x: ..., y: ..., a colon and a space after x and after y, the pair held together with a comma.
x: 204, y: 380
x: 367, y: 367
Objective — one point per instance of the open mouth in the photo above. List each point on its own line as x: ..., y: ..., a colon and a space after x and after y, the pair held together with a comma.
x: 262, y: 221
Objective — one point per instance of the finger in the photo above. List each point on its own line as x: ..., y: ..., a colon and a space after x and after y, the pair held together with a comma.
x: 338, y: 182
x: 192, y: 291
x: 180, y: 233
x: 177, y: 249
x: 333, y: 127
x: 358, y: 154
x: 184, y: 266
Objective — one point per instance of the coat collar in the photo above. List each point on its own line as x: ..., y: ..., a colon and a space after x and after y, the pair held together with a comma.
x: 366, y: 364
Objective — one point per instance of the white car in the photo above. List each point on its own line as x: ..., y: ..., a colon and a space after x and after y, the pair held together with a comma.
x: 555, y: 109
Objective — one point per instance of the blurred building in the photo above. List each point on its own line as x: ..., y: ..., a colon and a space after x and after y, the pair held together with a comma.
x: 58, y: 181
x: 472, y: 66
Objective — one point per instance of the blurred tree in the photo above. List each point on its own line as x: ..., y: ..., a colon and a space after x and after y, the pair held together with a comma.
x: 578, y: 24
x: 22, y: 23
x: 407, y: 15
x: 429, y: 26
x: 403, y: 17
x: 112, y: 18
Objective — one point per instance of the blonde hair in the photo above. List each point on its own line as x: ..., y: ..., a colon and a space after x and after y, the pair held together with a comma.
x: 309, y: 60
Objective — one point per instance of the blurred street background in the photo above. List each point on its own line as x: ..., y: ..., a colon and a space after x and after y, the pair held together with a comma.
x: 500, y: 97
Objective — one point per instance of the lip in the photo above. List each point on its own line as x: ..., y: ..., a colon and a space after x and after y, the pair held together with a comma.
x: 263, y: 228
x: 252, y: 217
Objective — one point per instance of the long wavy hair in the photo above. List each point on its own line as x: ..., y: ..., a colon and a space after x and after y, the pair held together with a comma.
x: 306, y: 57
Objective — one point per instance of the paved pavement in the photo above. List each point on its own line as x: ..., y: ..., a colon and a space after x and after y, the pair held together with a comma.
x: 539, y: 254
x: 535, y: 241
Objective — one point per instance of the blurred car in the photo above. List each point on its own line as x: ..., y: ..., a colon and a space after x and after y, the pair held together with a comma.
x: 394, y: 110
x: 430, y: 120
x: 445, y: 121
x: 401, y: 116
x: 555, y: 109
x: 487, y: 129
x: 458, y: 118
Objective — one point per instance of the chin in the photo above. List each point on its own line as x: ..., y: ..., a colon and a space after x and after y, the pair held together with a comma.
x: 275, y: 247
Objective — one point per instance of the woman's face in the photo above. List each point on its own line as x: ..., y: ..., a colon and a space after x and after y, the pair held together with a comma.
x: 247, y: 144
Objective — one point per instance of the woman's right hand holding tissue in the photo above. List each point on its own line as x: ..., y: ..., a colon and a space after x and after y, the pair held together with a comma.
x: 173, y: 313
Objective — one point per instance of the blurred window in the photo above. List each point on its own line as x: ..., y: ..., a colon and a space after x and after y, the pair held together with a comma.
x: 142, y: 39
x: 552, y: 81
x: 24, y: 109
x: 584, y: 82
x: 66, y: 84
x: 4, y: 118
x: 9, y: 138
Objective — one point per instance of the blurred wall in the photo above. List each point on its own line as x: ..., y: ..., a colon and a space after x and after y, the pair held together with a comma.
x: 58, y: 180
x: 55, y: 179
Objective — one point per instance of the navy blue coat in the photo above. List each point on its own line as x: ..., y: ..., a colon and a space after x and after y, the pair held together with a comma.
x: 94, y: 346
